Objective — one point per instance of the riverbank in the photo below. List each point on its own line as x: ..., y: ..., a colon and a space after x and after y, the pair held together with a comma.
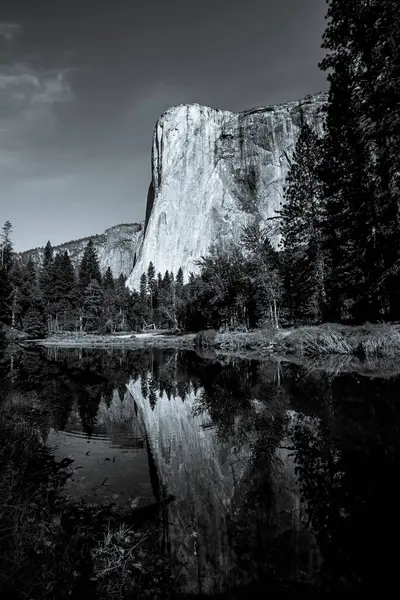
x: 366, y: 341
x: 369, y: 340
x: 52, y: 547
x: 133, y: 340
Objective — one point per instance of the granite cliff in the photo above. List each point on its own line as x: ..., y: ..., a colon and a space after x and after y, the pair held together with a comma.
x: 213, y: 172
x: 116, y: 248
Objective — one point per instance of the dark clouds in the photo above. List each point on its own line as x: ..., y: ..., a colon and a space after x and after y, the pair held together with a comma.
x: 82, y: 84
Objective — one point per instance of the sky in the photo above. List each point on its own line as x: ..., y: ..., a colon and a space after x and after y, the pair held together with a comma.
x: 83, y: 82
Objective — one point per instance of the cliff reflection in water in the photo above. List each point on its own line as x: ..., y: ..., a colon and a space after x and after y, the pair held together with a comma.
x: 223, y: 453
x: 283, y: 473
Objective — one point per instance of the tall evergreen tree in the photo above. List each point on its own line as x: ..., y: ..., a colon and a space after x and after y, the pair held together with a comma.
x: 93, y: 306
x: 64, y: 298
x: 179, y: 277
x: 375, y: 40
x: 143, y: 310
x: 6, y: 297
x: 6, y: 246
x: 224, y: 297
x: 360, y: 157
x: 30, y: 305
x: 301, y: 230
x: 110, y: 301
x: 16, y: 308
x: 180, y: 298
x: 262, y: 281
x: 88, y: 271
x: 89, y: 267
x: 45, y: 275
x: 151, y: 288
x: 122, y: 303
x: 108, y: 280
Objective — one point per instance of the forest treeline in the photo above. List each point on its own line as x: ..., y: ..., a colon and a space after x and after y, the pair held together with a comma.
x: 339, y: 221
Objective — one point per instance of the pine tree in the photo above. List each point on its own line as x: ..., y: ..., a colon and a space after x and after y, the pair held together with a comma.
x: 157, y: 302
x: 64, y: 296
x: 34, y: 323
x: 224, y: 296
x: 16, y: 275
x: 179, y: 277
x: 261, y: 276
x: 301, y: 231
x: 375, y: 40
x: 45, y: 276
x: 360, y: 157
x: 89, y: 268
x: 151, y: 288
x: 6, y: 249
x: 143, y: 309
x: 28, y: 306
x: 166, y: 315
x: 180, y: 299
x: 108, y: 280
x: 88, y: 271
x: 122, y: 303
x: 110, y: 301
x: 93, y: 306
x: 6, y: 246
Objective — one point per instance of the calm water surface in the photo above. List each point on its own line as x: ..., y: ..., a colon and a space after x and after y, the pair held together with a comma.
x: 283, y: 474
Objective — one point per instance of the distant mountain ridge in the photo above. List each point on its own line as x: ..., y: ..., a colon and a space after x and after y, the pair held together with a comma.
x: 116, y: 248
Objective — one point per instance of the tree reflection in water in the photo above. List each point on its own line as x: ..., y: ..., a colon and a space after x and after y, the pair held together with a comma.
x: 283, y: 472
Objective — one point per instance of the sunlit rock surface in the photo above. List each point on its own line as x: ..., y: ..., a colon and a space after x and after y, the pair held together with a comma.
x: 214, y: 171
x: 116, y: 248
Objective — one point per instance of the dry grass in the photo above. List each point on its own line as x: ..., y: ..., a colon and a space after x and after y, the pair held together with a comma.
x: 370, y: 340
x: 382, y: 340
x: 120, y: 563
x: 111, y: 341
x: 313, y: 341
x: 252, y: 340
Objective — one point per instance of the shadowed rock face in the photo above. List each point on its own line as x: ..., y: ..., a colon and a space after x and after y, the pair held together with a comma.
x: 116, y: 248
x: 213, y: 172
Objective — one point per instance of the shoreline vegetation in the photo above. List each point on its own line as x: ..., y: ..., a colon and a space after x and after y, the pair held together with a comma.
x: 362, y: 341
x: 54, y: 547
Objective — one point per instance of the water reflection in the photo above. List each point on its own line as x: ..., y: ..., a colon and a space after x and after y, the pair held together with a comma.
x: 282, y: 472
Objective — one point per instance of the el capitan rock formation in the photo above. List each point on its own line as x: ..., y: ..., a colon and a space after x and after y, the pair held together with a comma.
x: 213, y: 172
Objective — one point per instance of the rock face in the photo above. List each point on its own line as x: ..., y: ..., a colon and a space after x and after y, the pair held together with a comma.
x: 213, y: 172
x: 116, y: 248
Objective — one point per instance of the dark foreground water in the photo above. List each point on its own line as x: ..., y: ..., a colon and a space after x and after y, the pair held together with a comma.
x: 284, y: 475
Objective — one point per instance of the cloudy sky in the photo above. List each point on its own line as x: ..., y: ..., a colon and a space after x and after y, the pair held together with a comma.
x: 82, y: 83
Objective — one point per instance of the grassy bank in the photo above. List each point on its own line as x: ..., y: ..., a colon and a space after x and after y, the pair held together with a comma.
x: 369, y: 340
x: 53, y: 548
x: 135, y: 340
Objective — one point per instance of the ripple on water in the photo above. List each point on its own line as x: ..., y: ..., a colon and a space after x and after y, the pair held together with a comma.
x: 109, y: 464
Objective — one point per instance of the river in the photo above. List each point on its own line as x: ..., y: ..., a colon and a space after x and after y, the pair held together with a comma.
x: 281, y: 474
